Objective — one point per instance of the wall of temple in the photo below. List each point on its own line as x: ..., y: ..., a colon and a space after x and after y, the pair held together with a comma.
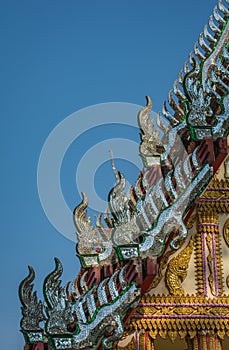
x: 187, y: 306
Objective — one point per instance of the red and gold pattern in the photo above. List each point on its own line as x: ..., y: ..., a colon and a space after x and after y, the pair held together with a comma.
x: 202, y: 319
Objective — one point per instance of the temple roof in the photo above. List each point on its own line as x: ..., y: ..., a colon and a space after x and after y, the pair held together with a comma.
x: 144, y: 236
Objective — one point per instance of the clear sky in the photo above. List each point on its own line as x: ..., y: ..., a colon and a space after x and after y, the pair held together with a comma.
x: 58, y: 57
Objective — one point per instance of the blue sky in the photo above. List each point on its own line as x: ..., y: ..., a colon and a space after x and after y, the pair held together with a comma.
x: 56, y: 58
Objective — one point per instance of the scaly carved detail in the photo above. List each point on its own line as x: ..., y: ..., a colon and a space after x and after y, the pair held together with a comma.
x: 199, y: 105
x: 177, y: 109
x: 172, y: 119
x: 177, y: 270
x: 162, y: 266
x: 32, y: 309
x: 58, y: 306
x: 117, y: 200
x: 91, y: 240
x: 104, y: 320
x: 151, y: 143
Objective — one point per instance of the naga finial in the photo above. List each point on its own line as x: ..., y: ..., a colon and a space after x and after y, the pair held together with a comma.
x: 151, y: 146
x: 32, y: 309
x: 117, y: 200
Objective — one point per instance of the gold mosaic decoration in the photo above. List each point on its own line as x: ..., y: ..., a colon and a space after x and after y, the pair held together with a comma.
x: 209, y: 227
x: 226, y: 238
x: 177, y: 270
x: 216, y: 197
x: 226, y: 232
x: 191, y: 221
x: 208, y: 239
x: 180, y: 317
x: 198, y: 264
x: 219, y: 262
x: 201, y: 320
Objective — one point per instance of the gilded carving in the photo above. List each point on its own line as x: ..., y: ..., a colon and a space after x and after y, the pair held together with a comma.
x: 209, y: 232
x: 186, y: 310
x: 226, y: 238
x: 219, y: 262
x: 162, y: 266
x: 226, y: 168
x: 191, y: 221
x: 183, y: 317
x: 210, y: 264
x: 219, y: 311
x: 177, y: 270
x: 226, y: 232
x: 198, y: 264
x: 215, y: 197
x: 208, y: 220
x: 172, y: 335
x: 150, y: 136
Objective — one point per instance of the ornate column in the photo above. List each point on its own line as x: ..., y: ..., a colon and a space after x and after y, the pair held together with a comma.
x: 209, y: 279
x: 145, y: 341
x: 208, y: 255
x: 204, y: 341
